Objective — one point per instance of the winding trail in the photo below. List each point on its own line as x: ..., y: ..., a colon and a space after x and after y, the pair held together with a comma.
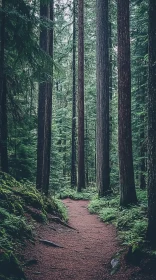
x: 86, y: 253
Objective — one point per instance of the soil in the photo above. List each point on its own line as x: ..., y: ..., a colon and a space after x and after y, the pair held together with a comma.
x: 87, y: 251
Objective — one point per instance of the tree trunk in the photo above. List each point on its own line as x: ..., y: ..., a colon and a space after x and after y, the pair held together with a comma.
x: 127, y: 185
x: 151, y: 231
x: 73, y: 157
x: 4, y: 126
x: 44, y: 108
x: 81, y: 165
x: 102, y: 53
x: 2, y: 47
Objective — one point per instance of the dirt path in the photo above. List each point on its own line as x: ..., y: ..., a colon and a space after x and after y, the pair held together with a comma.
x: 86, y: 252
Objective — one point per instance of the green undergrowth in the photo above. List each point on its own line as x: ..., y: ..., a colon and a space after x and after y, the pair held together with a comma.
x: 86, y: 194
x: 20, y: 205
x: 131, y: 222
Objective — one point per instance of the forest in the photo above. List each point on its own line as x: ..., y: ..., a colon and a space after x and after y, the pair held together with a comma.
x: 77, y: 139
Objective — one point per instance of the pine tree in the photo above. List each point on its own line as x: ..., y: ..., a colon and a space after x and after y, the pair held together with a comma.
x: 73, y: 157
x: 151, y: 231
x: 127, y: 185
x: 102, y: 50
x: 44, y: 107
x: 81, y: 165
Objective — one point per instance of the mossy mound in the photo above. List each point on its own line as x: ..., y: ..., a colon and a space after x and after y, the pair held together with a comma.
x: 17, y: 201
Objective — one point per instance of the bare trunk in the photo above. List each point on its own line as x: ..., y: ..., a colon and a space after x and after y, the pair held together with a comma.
x: 73, y: 157
x: 4, y: 132
x: 127, y: 185
x: 44, y: 108
x: 151, y: 231
x: 102, y: 136
x: 81, y: 165
x: 2, y: 47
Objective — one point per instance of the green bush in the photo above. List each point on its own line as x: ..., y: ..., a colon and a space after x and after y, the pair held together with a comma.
x: 131, y: 222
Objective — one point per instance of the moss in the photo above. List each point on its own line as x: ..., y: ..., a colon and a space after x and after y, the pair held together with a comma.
x: 9, y: 265
x: 33, y: 199
x: 16, y: 200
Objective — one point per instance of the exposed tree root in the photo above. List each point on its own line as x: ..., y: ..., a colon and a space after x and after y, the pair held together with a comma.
x: 59, y: 221
x: 50, y: 243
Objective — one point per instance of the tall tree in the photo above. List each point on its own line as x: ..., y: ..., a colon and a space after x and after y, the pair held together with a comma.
x: 44, y: 106
x: 4, y: 126
x: 2, y: 80
x: 151, y: 232
x: 127, y: 184
x: 73, y: 157
x: 81, y: 165
x: 102, y: 53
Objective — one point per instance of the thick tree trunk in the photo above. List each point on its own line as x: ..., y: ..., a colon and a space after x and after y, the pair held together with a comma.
x: 151, y: 232
x: 73, y: 156
x: 44, y: 108
x: 127, y: 185
x: 102, y: 136
x: 81, y: 165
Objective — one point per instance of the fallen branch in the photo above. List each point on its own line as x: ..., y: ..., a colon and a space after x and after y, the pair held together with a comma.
x: 49, y: 243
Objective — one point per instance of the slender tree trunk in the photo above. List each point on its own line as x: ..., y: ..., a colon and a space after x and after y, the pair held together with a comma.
x: 127, y: 185
x: 102, y: 53
x: 81, y: 165
x: 73, y: 158
x: 49, y: 104
x: 4, y: 126
x: 151, y: 231
x: 86, y: 152
x: 2, y: 48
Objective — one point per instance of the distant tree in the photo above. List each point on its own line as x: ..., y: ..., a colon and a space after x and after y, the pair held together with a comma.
x: 102, y: 52
x: 127, y: 184
x: 151, y: 231
x: 3, y: 96
x: 81, y: 165
x: 73, y: 157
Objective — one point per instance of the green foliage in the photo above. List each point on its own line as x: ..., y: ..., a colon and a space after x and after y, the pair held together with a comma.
x: 17, y: 200
x: 86, y: 194
x: 56, y: 207
x: 108, y: 214
x: 131, y: 222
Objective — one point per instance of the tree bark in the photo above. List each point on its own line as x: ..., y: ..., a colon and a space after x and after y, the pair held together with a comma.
x: 127, y: 184
x: 102, y: 136
x: 73, y: 157
x: 81, y: 165
x: 151, y: 231
x: 4, y: 126
x: 2, y: 35
x: 45, y: 108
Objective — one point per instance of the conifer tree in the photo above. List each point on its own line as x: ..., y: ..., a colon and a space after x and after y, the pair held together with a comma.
x: 151, y: 231
x: 127, y: 184
x: 102, y: 54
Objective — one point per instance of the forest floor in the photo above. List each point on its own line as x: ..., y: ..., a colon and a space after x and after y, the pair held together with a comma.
x: 86, y: 252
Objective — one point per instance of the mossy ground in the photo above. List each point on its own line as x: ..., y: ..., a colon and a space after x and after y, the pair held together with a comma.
x: 17, y: 200
x: 85, y: 194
